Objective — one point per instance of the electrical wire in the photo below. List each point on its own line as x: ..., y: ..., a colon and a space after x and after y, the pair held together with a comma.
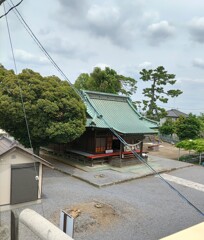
x: 143, y: 161
x: 42, y: 48
x: 14, y: 6
x: 22, y: 101
x: 20, y: 89
x: 101, y: 117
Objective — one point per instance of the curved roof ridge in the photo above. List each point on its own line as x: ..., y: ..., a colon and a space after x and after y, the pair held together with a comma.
x: 104, y: 94
x: 114, y: 113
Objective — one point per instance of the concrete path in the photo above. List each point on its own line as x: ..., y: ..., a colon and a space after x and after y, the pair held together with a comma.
x: 183, y: 182
x: 106, y: 175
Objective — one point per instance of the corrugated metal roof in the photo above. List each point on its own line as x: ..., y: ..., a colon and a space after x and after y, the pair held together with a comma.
x: 118, y: 112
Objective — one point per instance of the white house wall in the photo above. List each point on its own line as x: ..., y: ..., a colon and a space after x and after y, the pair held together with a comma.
x: 5, y: 173
x: 15, y: 157
x: 40, y: 181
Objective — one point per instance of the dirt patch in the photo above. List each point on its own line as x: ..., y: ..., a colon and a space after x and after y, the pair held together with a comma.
x: 90, y: 216
x: 166, y: 150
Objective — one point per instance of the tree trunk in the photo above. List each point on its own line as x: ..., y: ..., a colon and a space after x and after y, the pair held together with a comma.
x: 179, y: 154
x: 36, y: 150
x: 152, y: 101
x: 200, y: 160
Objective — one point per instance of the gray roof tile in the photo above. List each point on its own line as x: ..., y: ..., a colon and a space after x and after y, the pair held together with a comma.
x: 174, y: 113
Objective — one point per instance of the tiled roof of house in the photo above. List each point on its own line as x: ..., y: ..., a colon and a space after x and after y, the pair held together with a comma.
x: 174, y: 113
x: 118, y: 112
x: 5, y: 144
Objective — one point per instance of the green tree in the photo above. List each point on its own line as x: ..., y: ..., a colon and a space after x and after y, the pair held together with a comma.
x: 188, y: 128
x: 188, y: 144
x: 55, y: 113
x: 158, y: 79
x: 167, y: 128
x: 197, y: 145
x: 107, y: 81
x: 201, y: 119
x: 83, y: 81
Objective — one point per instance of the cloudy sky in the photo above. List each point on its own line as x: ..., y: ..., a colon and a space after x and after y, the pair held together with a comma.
x: 125, y: 35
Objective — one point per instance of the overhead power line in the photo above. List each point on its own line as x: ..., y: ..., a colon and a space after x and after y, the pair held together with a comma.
x: 39, y: 44
x: 99, y: 115
x: 19, y: 86
x: 145, y: 162
x: 22, y: 103
x: 14, y: 6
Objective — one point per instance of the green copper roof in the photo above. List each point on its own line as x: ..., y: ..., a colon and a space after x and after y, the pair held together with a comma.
x: 117, y: 111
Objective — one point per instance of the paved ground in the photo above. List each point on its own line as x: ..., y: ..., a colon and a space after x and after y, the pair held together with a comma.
x: 143, y: 208
x: 106, y: 175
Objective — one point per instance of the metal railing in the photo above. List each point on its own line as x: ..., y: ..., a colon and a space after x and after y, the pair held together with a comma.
x: 169, y: 138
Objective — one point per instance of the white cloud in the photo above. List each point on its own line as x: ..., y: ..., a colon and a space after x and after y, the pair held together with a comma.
x: 78, y: 34
x: 103, y: 16
x: 72, y: 13
x: 196, y: 28
x: 146, y: 65
x: 160, y: 32
x: 188, y: 80
x: 29, y: 58
x: 198, y: 62
x: 111, y: 22
x: 68, y: 49
x: 150, y: 16
x: 114, y: 21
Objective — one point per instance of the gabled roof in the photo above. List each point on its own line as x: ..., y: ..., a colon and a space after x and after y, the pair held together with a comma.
x: 7, y: 145
x: 174, y: 113
x: 110, y: 110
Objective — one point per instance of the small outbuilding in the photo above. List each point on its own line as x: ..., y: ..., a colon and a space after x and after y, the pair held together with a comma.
x: 20, y: 173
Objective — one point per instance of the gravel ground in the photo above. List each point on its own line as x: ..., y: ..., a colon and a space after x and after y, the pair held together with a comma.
x: 145, y: 209
x: 166, y: 150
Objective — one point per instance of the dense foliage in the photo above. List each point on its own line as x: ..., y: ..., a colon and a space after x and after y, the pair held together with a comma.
x: 188, y: 128
x: 167, y: 128
x: 159, y: 81
x: 197, y: 145
x: 201, y: 120
x: 107, y: 81
x: 54, y: 111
